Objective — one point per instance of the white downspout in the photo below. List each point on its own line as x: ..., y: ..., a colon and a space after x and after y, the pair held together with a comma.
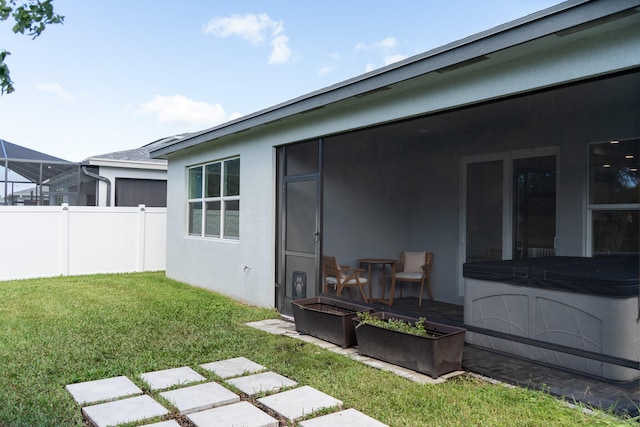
x: 101, y: 178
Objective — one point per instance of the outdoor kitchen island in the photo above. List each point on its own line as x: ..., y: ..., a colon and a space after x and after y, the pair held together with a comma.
x: 541, y: 307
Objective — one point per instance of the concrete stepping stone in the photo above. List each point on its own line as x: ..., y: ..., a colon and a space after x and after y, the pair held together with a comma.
x: 166, y: 378
x: 260, y: 383
x: 98, y: 390
x: 299, y: 402
x: 348, y: 417
x: 200, y: 397
x: 170, y: 423
x: 237, y: 414
x: 133, y: 409
x: 233, y: 367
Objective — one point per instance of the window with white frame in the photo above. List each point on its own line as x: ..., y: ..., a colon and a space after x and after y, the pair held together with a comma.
x: 614, y: 197
x: 214, y: 199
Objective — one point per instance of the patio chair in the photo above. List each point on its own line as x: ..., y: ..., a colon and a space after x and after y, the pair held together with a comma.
x: 340, y: 277
x: 414, y: 267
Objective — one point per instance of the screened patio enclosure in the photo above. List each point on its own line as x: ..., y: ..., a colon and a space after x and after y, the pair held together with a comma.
x: 515, y: 178
x: 24, y: 175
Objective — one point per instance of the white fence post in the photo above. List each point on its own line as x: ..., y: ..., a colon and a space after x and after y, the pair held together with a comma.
x: 64, y: 239
x: 141, y: 236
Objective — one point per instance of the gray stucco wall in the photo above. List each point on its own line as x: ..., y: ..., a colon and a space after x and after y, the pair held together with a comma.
x: 242, y: 269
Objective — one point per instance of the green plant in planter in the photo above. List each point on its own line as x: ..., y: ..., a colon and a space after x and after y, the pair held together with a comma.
x: 396, y: 325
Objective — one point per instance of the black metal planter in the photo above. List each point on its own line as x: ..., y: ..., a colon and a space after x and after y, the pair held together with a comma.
x: 434, y: 356
x: 330, y: 319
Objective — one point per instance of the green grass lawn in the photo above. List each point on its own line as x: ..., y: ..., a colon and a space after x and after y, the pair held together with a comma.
x: 63, y: 330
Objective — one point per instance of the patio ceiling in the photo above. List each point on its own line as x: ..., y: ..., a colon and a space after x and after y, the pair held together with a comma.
x: 600, y: 98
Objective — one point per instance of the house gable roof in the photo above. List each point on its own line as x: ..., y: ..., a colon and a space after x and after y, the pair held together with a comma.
x: 135, y: 158
x: 138, y: 158
x: 562, y: 19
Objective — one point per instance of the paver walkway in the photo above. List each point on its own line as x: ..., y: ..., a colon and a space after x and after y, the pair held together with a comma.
x: 184, y: 391
x: 204, y: 403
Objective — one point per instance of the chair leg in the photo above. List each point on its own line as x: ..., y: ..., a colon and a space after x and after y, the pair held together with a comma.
x: 392, y: 292
x: 429, y: 288
x: 421, y: 291
x: 364, y: 297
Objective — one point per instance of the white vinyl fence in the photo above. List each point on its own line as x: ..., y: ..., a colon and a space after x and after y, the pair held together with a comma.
x: 47, y: 241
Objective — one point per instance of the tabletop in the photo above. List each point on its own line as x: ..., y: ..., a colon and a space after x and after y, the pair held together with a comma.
x: 377, y: 260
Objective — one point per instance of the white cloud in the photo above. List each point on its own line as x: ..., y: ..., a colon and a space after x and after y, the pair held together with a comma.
x: 256, y: 29
x: 324, y: 70
x: 330, y: 63
x: 281, y: 53
x: 179, y: 109
x: 384, y: 45
x: 390, y: 59
x: 56, y: 89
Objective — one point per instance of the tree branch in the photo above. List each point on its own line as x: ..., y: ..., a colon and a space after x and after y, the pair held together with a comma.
x: 31, y: 18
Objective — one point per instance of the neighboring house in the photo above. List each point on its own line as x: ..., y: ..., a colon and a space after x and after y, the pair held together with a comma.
x: 127, y: 178
x: 518, y: 141
x: 122, y: 178
x: 26, y: 197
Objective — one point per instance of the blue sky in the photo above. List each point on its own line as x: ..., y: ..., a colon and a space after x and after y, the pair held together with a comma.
x: 117, y: 75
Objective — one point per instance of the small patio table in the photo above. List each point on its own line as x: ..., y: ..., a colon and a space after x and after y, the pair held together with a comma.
x: 383, y: 262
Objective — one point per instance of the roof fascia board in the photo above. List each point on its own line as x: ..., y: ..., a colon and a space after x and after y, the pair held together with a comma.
x: 537, y: 25
x: 130, y: 164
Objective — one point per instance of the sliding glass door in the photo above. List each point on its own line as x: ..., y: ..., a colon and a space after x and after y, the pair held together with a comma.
x: 508, y: 207
x: 484, y: 213
x: 534, y: 207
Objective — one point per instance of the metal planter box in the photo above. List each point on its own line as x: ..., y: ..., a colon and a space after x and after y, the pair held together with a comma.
x: 433, y: 356
x: 329, y: 319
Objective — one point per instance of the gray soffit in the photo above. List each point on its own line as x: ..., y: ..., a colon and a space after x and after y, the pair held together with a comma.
x: 562, y: 19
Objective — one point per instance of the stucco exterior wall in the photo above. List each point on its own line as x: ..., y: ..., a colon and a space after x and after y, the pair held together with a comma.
x: 243, y: 269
